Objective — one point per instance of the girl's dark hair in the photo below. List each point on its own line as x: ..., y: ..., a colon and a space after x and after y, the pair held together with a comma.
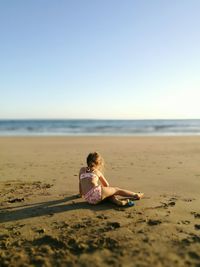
x: 94, y: 160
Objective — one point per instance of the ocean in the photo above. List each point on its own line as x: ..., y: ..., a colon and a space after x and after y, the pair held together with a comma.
x: 98, y: 127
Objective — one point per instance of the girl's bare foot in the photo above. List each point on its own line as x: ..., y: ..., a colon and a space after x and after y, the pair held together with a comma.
x: 138, y: 196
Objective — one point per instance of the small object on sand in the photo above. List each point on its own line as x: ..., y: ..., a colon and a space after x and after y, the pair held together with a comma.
x: 130, y: 203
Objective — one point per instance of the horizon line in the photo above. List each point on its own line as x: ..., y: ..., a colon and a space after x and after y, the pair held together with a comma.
x: 97, y: 119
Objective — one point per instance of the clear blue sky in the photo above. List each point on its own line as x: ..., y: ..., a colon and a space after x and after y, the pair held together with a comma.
x: 132, y: 59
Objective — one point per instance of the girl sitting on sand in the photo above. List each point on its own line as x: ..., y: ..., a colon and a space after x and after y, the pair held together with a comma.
x: 94, y: 193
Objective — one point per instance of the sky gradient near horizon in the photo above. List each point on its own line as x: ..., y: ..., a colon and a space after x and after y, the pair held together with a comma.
x: 107, y: 59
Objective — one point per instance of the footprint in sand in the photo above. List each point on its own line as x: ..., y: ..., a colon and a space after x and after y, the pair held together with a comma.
x: 171, y: 202
x: 109, y: 227
x: 101, y: 216
x: 166, y: 205
x: 197, y: 226
x: 188, y: 199
x: 41, y: 231
x: 194, y: 255
x: 113, y: 225
x: 79, y: 225
x: 152, y: 222
x: 14, y: 200
x: 107, y: 242
x: 184, y: 222
x: 191, y: 239
x: 49, y: 240
x: 76, y: 246
x: 196, y: 215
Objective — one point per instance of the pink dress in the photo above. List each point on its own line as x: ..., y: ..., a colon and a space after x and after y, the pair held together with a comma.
x: 93, y: 196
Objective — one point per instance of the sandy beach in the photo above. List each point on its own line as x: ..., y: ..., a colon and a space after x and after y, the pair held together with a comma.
x: 43, y: 223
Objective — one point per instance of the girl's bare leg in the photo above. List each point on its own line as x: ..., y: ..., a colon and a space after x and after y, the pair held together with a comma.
x: 113, y: 191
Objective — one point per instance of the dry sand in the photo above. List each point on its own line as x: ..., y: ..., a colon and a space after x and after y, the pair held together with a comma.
x: 43, y: 223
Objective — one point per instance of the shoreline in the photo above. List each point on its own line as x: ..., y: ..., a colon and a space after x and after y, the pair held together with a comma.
x: 102, y: 135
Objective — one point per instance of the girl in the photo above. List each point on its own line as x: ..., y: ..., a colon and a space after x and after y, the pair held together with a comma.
x: 95, y: 193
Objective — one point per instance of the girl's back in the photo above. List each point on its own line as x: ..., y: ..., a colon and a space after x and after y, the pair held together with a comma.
x: 88, y: 179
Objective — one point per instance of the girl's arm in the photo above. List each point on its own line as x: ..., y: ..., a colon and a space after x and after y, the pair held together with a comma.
x: 103, y: 179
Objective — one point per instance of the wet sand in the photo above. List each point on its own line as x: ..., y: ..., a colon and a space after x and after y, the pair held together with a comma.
x: 43, y: 223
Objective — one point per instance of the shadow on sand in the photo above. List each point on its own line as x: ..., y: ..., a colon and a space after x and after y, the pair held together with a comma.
x: 48, y: 208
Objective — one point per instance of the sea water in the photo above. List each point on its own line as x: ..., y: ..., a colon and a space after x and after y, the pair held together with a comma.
x: 98, y: 127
